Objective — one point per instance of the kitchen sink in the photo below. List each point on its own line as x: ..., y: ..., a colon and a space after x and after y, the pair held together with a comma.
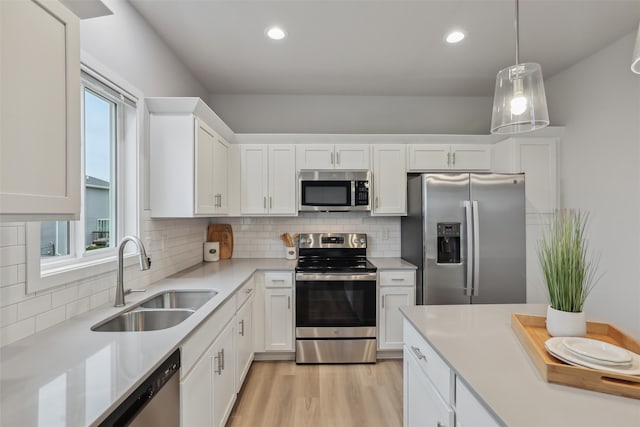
x: 179, y: 299
x: 143, y: 320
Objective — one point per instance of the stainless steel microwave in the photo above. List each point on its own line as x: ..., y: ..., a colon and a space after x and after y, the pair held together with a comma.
x: 334, y: 191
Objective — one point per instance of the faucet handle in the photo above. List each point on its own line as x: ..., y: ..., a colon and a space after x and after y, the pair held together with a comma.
x: 128, y: 291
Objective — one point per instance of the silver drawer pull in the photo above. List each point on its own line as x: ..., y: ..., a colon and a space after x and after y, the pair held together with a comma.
x: 439, y: 424
x: 418, y: 353
x: 397, y: 279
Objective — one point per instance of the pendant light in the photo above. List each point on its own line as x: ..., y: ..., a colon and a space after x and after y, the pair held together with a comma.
x: 519, y: 102
x: 635, y: 62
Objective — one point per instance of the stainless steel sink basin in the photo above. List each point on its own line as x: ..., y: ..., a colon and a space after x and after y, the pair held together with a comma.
x: 143, y: 320
x: 179, y: 299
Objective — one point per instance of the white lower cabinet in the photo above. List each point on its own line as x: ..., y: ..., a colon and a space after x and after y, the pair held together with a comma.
x: 278, y: 313
x: 208, y: 392
x: 433, y: 394
x: 423, y: 407
x: 244, y: 339
x: 395, y: 289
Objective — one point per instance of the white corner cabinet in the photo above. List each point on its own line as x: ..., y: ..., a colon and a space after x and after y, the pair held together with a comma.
x: 40, y: 174
x: 215, y: 361
x: 396, y: 288
x: 267, y: 179
x: 332, y: 156
x: 436, y: 157
x: 188, y: 160
x: 389, y: 179
x: 433, y: 394
x: 536, y: 157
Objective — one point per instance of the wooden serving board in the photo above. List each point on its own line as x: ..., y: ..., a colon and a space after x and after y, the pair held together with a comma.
x: 532, y: 333
x: 222, y: 233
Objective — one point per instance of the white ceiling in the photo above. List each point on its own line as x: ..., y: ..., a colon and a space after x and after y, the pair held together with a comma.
x: 367, y: 47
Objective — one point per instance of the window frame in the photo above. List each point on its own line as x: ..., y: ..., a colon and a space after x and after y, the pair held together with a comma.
x: 80, y: 263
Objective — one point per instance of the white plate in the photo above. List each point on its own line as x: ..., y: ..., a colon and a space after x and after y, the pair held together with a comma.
x: 557, y: 349
x: 599, y: 350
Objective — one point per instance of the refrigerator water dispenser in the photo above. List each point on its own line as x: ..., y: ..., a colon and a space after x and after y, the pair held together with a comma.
x: 448, y: 243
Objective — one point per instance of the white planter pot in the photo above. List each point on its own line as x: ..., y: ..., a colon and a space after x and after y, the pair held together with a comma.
x: 565, y: 323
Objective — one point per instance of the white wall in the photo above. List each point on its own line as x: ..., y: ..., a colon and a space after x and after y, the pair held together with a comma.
x: 598, y: 100
x: 126, y: 43
x: 353, y: 114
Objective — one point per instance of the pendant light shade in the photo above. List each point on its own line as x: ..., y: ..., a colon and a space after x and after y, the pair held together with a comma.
x: 635, y: 60
x: 519, y: 101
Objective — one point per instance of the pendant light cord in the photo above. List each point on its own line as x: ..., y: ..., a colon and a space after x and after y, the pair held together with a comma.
x: 517, y: 33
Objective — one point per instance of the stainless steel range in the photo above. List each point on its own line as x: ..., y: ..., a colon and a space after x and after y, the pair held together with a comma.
x: 335, y: 299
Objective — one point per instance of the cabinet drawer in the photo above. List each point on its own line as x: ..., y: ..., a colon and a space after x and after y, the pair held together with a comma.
x: 435, y: 368
x: 202, y: 338
x: 398, y: 278
x: 245, y: 291
x: 278, y: 280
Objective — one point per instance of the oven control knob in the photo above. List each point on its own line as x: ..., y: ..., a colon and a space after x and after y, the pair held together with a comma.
x: 363, y: 240
x: 303, y: 240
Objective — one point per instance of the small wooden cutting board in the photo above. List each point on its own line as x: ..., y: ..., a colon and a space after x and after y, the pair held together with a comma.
x: 222, y: 233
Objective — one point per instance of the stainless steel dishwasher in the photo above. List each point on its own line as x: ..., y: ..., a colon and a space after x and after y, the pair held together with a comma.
x: 155, y: 403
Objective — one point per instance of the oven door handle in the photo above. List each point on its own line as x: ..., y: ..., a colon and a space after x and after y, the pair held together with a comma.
x: 335, y: 277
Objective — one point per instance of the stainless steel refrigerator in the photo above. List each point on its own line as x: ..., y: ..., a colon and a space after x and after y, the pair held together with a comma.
x: 466, y: 234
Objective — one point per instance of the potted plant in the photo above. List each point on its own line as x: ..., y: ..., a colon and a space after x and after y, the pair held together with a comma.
x: 568, y: 270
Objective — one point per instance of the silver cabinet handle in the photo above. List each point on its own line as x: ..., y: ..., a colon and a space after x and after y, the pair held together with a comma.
x: 469, y: 226
x: 476, y: 249
x: 222, y: 358
x: 418, y: 353
x: 270, y: 202
x: 397, y: 279
x: 242, y: 327
x: 454, y: 158
x: 219, y: 370
x: 448, y: 159
x: 377, y: 204
x: 383, y: 301
x: 264, y: 202
x: 338, y: 158
x: 439, y: 424
x: 289, y: 302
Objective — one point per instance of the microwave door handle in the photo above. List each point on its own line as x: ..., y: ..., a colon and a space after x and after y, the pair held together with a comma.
x: 469, y: 228
x: 353, y: 193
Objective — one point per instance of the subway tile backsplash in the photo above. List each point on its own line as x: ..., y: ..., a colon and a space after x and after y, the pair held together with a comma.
x: 173, y: 244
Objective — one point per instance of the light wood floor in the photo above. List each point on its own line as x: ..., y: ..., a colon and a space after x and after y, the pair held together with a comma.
x: 281, y: 394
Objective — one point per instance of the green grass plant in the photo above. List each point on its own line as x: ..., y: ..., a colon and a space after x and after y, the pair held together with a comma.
x: 569, y: 272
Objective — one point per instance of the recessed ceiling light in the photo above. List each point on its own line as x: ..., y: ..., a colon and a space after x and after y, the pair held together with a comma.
x: 275, y: 33
x: 455, y: 37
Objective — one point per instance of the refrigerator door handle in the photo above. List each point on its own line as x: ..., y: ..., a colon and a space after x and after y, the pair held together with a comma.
x: 476, y: 249
x: 469, y: 282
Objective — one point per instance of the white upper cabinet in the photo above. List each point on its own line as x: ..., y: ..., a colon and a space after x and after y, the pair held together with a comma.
x: 188, y: 160
x: 430, y: 157
x: 40, y: 173
x: 389, y: 180
x: 536, y: 157
x: 268, y: 179
x: 330, y: 156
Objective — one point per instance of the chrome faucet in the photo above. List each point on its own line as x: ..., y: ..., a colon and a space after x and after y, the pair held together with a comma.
x: 145, y: 264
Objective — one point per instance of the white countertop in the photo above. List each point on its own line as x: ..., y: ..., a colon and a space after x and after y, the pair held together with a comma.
x: 477, y: 342
x: 70, y: 376
x: 392, y: 264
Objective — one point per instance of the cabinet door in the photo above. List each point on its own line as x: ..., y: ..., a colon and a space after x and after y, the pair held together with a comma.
x: 390, y: 325
x: 471, y: 157
x: 205, y: 143
x: 469, y: 411
x: 389, y: 180
x: 282, y: 180
x: 253, y: 182
x: 224, y: 391
x: 423, y: 406
x: 278, y: 312
x: 315, y: 156
x: 425, y: 157
x: 39, y: 111
x: 220, y: 171
x: 196, y: 393
x: 244, y: 335
x: 351, y: 156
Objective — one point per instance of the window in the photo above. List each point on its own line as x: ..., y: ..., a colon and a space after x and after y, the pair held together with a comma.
x: 109, y: 188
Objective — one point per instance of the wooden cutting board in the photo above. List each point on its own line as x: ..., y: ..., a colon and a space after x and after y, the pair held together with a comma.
x: 222, y: 233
